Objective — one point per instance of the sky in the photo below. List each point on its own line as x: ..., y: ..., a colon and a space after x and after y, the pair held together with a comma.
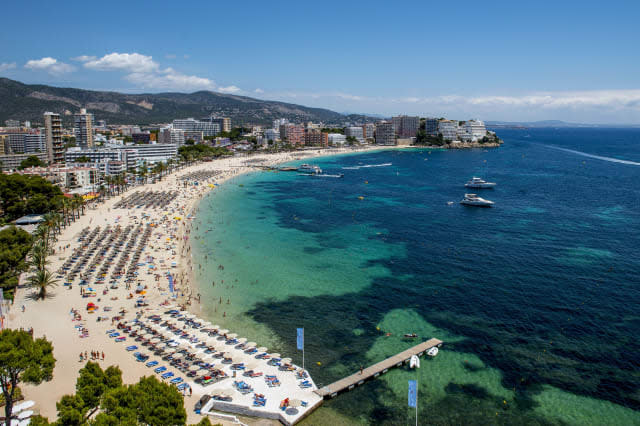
x: 492, y: 60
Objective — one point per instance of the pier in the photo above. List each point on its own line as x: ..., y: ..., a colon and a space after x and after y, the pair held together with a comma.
x: 377, y: 369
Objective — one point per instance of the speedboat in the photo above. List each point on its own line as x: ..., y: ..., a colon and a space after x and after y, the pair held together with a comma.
x: 475, y: 201
x: 414, y: 362
x: 432, y: 352
x: 480, y: 183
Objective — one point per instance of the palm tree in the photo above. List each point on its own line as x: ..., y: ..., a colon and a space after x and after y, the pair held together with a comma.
x: 39, y: 253
x: 142, y: 171
x: 42, y: 279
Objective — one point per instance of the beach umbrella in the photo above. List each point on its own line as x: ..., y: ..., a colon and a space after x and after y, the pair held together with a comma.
x: 223, y: 331
x: 251, y: 365
x: 250, y: 345
x: 232, y: 335
x: 194, y: 367
x: 215, y: 327
x: 178, y: 356
x: 295, y: 403
x: 242, y: 340
x: 286, y: 360
x: 200, y: 356
x: 189, y: 316
x: 262, y: 349
x: 275, y: 355
x: 155, y: 340
x: 169, y: 351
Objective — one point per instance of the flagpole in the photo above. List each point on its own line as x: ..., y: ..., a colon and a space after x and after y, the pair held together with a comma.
x: 416, y: 402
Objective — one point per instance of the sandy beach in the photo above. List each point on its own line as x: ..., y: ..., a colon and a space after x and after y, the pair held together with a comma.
x: 167, y: 250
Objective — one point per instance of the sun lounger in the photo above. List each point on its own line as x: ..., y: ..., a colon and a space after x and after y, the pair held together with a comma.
x: 160, y: 369
x: 167, y: 375
x: 131, y: 348
x: 176, y: 381
x: 182, y: 386
x: 116, y: 334
x: 152, y: 363
x: 110, y: 331
x: 120, y: 339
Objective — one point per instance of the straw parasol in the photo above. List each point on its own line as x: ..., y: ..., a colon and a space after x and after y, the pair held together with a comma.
x: 194, y: 367
x: 178, y: 356
x: 215, y: 327
x: 242, y: 340
x: 286, y: 360
x: 251, y: 345
x: 275, y: 355
x: 262, y: 349
x: 155, y: 340
x: 251, y: 365
x: 232, y: 335
x: 223, y: 331
x: 170, y: 350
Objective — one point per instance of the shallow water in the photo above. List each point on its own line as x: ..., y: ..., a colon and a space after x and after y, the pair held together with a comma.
x: 536, y: 299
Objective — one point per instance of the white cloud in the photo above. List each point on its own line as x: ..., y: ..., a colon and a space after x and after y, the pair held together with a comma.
x: 50, y: 65
x: 169, y: 79
x: 131, y: 62
x: 229, y: 89
x: 4, y: 66
x: 258, y: 91
x: 84, y: 58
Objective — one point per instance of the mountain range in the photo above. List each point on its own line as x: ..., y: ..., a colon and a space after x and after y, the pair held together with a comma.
x: 22, y: 102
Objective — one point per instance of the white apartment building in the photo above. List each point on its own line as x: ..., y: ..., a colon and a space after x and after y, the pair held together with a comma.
x: 356, y: 132
x: 193, y: 125
x: 449, y: 129
x: 475, y: 129
x: 169, y: 135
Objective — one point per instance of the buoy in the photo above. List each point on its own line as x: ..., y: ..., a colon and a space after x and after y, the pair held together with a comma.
x: 366, y: 181
x: 319, y: 363
x: 361, y: 197
x: 378, y: 328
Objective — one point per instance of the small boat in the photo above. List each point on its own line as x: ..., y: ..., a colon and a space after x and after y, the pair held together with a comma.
x: 309, y: 169
x: 410, y: 335
x: 479, y: 183
x: 414, y: 362
x: 432, y: 352
x: 475, y: 201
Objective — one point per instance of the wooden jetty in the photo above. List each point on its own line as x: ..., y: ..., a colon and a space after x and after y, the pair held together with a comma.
x: 376, y: 370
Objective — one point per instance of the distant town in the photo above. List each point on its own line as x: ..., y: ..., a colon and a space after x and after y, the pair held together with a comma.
x: 83, y: 158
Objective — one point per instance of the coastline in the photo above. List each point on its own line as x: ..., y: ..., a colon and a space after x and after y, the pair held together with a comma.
x: 52, y: 318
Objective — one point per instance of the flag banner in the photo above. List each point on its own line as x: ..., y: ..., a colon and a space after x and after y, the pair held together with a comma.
x: 413, y: 393
x: 170, y: 283
x: 301, y: 339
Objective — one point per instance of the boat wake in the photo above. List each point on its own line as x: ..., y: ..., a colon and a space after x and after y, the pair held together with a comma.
x: 367, y: 166
x: 597, y: 157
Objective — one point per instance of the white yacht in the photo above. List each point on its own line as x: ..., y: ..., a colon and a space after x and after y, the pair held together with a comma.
x: 474, y: 200
x: 432, y: 352
x: 308, y: 168
x: 477, y: 182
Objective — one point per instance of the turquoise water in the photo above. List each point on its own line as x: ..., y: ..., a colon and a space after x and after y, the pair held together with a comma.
x: 536, y: 299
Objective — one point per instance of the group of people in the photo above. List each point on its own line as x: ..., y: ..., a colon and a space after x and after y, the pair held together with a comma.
x: 95, y: 356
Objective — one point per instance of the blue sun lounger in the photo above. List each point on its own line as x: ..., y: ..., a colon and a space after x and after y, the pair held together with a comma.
x: 152, y: 363
x: 111, y: 331
x: 167, y: 375
x: 182, y: 386
x: 176, y: 381
x: 116, y: 334
x: 131, y: 348
x: 160, y: 369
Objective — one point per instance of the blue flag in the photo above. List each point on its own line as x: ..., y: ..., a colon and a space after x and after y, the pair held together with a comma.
x: 301, y: 339
x: 413, y: 393
x: 170, y: 283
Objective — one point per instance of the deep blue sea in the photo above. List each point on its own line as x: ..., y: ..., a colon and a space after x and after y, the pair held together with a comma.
x: 537, y: 299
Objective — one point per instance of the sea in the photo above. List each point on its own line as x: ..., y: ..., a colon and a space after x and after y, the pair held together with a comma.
x: 537, y: 299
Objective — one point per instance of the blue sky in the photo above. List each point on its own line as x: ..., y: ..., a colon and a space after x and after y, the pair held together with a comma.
x: 574, y: 61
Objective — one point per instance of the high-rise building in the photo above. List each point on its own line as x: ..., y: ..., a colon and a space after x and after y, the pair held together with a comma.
x: 16, y: 142
x: 368, y: 130
x: 223, y: 122
x: 314, y: 137
x: 4, y: 144
x: 35, y: 142
x: 431, y: 126
x: 271, y: 134
x: 356, y: 132
x: 292, y: 133
x: 206, y: 127
x: 53, y: 137
x: 406, y: 126
x: 169, y: 135
x: 448, y: 129
x: 83, y: 129
x: 475, y: 129
x: 385, y: 133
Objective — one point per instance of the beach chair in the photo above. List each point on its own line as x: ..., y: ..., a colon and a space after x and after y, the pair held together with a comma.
x: 160, y: 369
x: 167, y: 375
x: 120, y: 339
x: 182, y: 386
x: 176, y: 381
x: 152, y: 363
x: 110, y: 331
x: 112, y: 335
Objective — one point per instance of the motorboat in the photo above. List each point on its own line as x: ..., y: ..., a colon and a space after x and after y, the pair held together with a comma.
x: 308, y: 168
x: 414, y: 361
x: 475, y: 201
x: 432, y: 352
x: 410, y: 335
x: 479, y: 183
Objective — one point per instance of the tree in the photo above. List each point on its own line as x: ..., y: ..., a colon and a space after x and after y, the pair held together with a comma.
x: 31, y: 161
x: 91, y: 385
x: 82, y: 159
x: 22, y: 360
x: 22, y: 194
x: 147, y: 402
x: 190, y: 142
x: 351, y: 140
x: 14, y: 247
x: 41, y: 280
